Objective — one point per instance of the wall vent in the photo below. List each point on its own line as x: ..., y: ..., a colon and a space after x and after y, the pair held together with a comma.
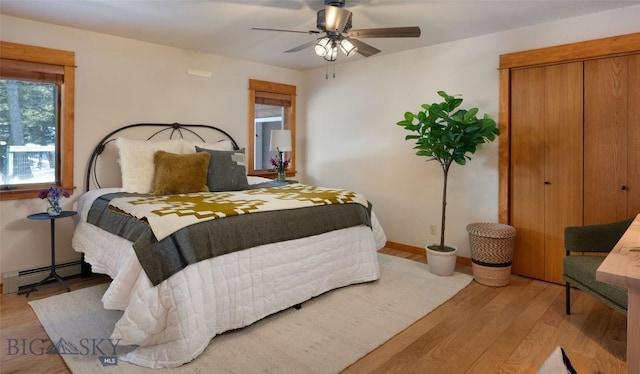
x: 12, y: 281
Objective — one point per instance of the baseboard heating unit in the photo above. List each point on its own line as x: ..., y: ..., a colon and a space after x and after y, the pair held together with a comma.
x: 12, y: 281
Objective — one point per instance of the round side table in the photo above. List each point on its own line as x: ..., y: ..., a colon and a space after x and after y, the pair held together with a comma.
x: 52, y: 275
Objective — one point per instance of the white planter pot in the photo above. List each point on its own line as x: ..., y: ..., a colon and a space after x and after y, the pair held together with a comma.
x: 442, y: 263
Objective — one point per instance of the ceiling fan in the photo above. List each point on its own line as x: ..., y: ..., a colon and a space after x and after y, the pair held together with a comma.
x: 335, y: 23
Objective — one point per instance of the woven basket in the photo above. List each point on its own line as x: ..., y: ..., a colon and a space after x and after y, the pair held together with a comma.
x: 491, y: 247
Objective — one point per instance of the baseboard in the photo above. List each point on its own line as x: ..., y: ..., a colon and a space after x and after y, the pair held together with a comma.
x: 405, y: 248
x: 463, y: 261
x: 421, y: 251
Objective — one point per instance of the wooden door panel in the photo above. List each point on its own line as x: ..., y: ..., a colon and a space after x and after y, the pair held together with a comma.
x: 527, y: 174
x: 633, y: 136
x: 546, y: 158
x: 563, y: 161
x: 605, y: 140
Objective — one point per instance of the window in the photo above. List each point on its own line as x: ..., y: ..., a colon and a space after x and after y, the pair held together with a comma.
x: 272, y: 106
x: 36, y: 119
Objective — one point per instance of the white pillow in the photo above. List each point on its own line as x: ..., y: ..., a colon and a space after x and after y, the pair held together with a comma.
x: 136, y: 161
x: 189, y: 146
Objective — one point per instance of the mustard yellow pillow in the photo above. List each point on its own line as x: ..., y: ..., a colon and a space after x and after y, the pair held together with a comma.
x: 177, y: 173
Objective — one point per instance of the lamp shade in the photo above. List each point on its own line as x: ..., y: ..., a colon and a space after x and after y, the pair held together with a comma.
x: 332, y: 52
x: 347, y: 47
x: 323, y: 46
x: 281, y: 140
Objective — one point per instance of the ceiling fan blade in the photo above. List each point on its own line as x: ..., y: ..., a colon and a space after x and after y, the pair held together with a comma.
x: 365, y: 49
x: 289, y: 4
x: 387, y: 32
x: 336, y: 19
x: 300, y: 32
x: 303, y: 46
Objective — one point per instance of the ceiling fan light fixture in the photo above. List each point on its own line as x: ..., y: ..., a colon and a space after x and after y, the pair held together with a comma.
x: 323, y: 47
x: 348, y: 48
x: 334, y: 24
x: 332, y: 52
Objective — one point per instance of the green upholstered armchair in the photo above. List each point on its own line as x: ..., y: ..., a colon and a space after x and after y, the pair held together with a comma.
x: 580, y: 271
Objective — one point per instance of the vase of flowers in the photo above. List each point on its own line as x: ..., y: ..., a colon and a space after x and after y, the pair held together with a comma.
x: 280, y: 164
x: 53, y: 195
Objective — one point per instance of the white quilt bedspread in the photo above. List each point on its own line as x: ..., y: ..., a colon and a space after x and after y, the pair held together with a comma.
x: 173, y: 322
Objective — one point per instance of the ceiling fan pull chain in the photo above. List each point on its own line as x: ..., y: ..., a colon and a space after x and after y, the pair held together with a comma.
x: 326, y: 70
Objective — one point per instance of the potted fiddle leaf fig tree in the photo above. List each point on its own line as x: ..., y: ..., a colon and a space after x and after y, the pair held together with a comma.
x: 444, y: 133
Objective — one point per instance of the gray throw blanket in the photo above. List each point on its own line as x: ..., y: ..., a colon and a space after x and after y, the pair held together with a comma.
x: 161, y: 259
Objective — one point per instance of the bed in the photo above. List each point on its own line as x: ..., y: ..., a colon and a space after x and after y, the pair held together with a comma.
x: 171, y: 314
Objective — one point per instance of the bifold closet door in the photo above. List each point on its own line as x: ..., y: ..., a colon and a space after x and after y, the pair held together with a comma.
x: 527, y: 170
x: 546, y: 165
x: 612, y: 139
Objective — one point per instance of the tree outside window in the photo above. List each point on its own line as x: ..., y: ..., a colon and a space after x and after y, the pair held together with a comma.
x: 28, y: 125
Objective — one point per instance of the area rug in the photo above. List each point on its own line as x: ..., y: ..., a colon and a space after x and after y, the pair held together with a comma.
x: 329, y: 333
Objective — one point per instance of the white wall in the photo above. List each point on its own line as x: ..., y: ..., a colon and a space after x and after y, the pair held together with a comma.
x: 351, y: 139
x: 121, y: 81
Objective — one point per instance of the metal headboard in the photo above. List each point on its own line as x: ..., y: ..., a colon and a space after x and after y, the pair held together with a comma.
x: 176, y: 130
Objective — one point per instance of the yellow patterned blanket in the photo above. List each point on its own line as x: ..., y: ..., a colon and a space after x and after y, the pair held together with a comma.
x: 167, y: 214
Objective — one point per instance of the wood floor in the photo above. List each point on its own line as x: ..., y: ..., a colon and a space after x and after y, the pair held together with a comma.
x: 482, y: 329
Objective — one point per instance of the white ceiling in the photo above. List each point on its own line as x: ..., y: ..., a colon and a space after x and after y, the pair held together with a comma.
x: 223, y: 27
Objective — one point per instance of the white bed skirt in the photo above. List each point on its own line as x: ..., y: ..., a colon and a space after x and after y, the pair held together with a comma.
x: 173, y: 322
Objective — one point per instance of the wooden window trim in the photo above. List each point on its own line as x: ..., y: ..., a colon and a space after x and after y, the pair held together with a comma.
x: 580, y: 51
x: 66, y: 61
x: 276, y: 91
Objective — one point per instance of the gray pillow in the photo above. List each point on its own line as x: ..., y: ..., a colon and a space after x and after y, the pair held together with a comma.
x: 227, y: 171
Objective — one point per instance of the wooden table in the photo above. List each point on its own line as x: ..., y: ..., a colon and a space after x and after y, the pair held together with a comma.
x: 622, y: 268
